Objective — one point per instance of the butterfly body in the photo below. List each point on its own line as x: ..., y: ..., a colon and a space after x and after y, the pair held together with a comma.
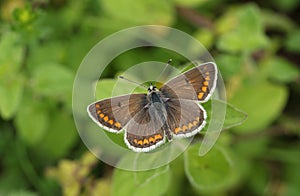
x: 173, y: 111
x: 157, y: 108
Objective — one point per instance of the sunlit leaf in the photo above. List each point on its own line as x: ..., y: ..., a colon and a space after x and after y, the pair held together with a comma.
x: 59, y: 137
x: 160, y: 12
x: 262, y: 101
x: 53, y: 80
x: 11, y: 90
x: 248, y: 25
x: 31, y: 121
x: 281, y: 70
x: 141, y: 183
x: 212, y: 172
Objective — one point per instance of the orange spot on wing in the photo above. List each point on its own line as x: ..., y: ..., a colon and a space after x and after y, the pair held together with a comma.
x: 101, y: 115
x: 140, y: 142
x: 195, y: 123
x: 117, y: 124
x: 105, y: 118
x: 200, y: 95
x: 204, y: 88
x: 177, y: 129
x: 146, y: 141
x: 97, y: 106
x: 98, y: 111
x: 158, y: 136
x: 184, y: 128
x: 190, y: 125
x: 111, y: 122
x: 151, y: 139
x: 135, y: 141
x: 207, y: 78
x: 205, y: 83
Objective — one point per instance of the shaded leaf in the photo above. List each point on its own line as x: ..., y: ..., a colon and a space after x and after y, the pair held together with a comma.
x: 293, y: 40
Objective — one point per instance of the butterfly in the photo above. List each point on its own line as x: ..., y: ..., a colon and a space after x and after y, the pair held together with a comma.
x: 171, y: 111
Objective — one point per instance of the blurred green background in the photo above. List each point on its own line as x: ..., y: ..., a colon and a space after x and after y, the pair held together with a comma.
x: 256, y: 45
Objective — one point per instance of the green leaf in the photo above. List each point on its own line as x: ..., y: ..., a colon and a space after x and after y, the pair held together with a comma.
x: 229, y: 65
x: 60, y: 136
x: 285, y: 5
x: 11, y: 82
x: 262, y: 101
x: 276, y: 21
x: 10, y: 55
x: 213, y: 172
x: 151, y: 182
x: 22, y: 193
x: 31, y: 121
x: 249, y: 25
x: 281, y: 70
x: 105, y: 88
x: 53, y: 80
x: 233, y: 117
x: 190, y: 3
x: 145, y: 12
x: 205, y: 37
x: 11, y: 91
x: 293, y: 40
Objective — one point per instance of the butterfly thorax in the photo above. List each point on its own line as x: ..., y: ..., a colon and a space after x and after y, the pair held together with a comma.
x: 154, y: 95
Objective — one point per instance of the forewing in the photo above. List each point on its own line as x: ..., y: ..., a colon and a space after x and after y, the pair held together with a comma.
x: 197, y: 83
x: 113, y: 114
x: 145, y: 131
x: 185, y: 118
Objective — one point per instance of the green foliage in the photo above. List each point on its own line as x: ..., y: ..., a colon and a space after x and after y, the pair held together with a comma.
x: 245, y: 23
x: 214, y: 172
x: 142, y: 182
x: 256, y: 48
x: 31, y: 122
x: 292, y: 40
x: 266, y: 97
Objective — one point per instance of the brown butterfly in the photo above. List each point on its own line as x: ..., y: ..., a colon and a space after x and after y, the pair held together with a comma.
x: 172, y: 111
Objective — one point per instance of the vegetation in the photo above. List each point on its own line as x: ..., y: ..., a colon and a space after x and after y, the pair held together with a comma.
x: 254, y: 43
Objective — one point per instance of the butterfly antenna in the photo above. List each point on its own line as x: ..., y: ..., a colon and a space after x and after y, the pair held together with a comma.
x: 168, y: 63
x: 141, y: 85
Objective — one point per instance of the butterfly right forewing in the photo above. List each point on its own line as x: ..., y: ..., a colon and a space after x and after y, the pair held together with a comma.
x: 197, y: 83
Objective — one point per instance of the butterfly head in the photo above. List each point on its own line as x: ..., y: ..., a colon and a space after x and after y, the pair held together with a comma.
x: 152, y: 88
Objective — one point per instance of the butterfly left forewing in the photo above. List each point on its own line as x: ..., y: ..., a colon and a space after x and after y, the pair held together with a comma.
x: 114, y: 113
x: 197, y: 83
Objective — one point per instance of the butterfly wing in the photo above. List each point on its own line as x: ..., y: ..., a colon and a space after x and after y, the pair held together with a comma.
x: 146, y: 130
x: 185, y: 118
x: 114, y: 113
x: 197, y: 83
